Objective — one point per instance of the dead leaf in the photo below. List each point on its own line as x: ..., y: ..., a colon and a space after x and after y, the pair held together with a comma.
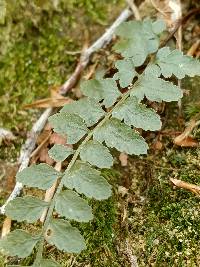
x: 55, y: 100
x: 186, y: 142
x: 10, y: 177
x: 77, y: 92
x: 57, y: 139
x: 49, y: 102
x: 7, y: 177
x: 44, y: 134
x: 44, y: 156
x: 134, y: 9
x: 146, y: 9
x: 54, y: 91
x: 45, y: 140
x: 158, y: 145
x: 184, y: 139
x: 198, y: 54
x: 47, y: 127
x: 6, y: 227
x: 191, y: 187
x: 168, y: 10
x: 123, y: 157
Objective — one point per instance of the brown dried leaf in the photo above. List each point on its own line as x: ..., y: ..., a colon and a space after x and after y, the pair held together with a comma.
x: 57, y: 139
x: 91, y: 71
x: 6, y: 227
x: 43, y: 136
x: 168, y: 10
x: 47, y: 127
x: 158, y: 145
x: 10, y: 177
x: 77, y: 92
x: 123, y: 157
x: 184, y: 139
x: 55, y: 100
x: 198, y: 54
x: 44, y: 156
x: 43, y: 144
x: 191, y: 187
x: 54, y: 91
x: 49, y: 102
x: 187, y: 141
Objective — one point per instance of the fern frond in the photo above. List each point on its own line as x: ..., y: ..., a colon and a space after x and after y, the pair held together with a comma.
x: 95, y: 129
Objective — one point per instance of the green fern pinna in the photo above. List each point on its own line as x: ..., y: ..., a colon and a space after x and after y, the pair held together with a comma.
x: 105, y: 118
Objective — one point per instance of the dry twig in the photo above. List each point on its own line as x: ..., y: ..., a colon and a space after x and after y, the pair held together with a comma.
x: 40, y: 145
x: 134, y: 8
x: 193, y: 48
x: 50, y: 192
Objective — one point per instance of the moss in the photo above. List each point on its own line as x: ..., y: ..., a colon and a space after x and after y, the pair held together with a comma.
x: 100, y: 234
x: 166, y: 225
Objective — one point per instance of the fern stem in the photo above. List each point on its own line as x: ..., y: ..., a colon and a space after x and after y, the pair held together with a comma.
x: 72, y: 162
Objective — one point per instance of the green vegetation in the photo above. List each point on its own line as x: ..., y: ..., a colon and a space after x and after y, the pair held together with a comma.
x: 172, y: 226
x: 36, y: 54
x: 162, y: 222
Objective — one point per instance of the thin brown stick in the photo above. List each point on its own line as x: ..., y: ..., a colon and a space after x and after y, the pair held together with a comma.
x: 40, y: 145
x: 134, y: 9
x: 193, y: 48
x: 157, y: 8
x: 50, y: 192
